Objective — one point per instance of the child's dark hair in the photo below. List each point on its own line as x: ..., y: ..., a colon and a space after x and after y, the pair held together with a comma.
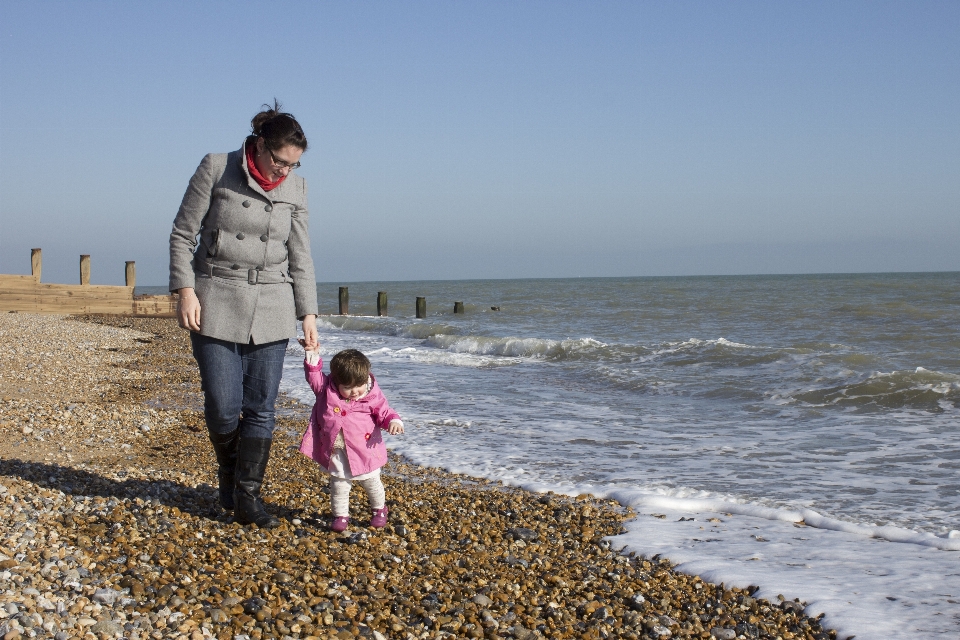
x: 350, y: 368
x: 278, y: 129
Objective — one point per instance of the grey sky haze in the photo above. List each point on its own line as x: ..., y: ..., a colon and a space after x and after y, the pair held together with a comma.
x: 497, y: 139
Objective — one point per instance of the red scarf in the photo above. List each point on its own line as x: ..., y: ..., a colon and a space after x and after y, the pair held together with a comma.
x: 265, y: 184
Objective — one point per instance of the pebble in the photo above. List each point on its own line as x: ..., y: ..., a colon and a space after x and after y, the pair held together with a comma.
x: 481, y: 600
x: 521, y: 633
x: 106, y: 596
x: 106, y: 539
x: 794, y: 607
x: 107, y: 628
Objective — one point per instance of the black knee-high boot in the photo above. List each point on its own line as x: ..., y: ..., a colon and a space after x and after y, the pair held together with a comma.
x: 225, y: 448
x: 252, y: 457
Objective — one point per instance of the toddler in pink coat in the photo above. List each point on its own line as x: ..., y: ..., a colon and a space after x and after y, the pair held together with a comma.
x: 344, y: 435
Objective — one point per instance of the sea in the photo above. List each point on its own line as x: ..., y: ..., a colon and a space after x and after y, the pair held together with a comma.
x: 800, y: 433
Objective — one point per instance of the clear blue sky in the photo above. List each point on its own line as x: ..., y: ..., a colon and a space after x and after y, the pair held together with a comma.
x: 497, y: 139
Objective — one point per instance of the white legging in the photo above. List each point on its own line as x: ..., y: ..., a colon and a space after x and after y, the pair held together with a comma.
x: 340, y: 494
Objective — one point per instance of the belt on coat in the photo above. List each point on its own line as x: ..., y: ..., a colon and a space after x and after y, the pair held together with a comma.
x: 252, y: 276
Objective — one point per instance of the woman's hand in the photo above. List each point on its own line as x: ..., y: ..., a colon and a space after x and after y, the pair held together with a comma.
x: 188, y: 309
x: 311, y: 340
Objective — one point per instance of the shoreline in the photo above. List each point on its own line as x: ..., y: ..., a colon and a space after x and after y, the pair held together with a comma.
x: 123, y: 535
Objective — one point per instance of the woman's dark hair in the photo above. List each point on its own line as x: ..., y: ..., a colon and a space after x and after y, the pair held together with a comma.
x: 278, y: 129
x: 350, y: 368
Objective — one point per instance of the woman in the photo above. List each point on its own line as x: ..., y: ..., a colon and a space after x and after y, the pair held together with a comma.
x: 240, y: 261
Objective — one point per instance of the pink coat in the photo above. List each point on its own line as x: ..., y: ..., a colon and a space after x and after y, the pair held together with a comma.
x: 360, y: 420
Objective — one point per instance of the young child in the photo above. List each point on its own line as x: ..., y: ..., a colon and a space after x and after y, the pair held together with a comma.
x: 344, y: 433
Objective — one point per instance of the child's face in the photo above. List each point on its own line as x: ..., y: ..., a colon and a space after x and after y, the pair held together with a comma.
x: 352, y: 393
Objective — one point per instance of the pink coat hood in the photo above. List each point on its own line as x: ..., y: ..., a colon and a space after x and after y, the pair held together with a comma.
x: 360, y: 420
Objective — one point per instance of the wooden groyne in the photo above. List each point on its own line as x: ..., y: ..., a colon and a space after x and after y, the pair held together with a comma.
x: 420, y: 304
x: 28, y: 295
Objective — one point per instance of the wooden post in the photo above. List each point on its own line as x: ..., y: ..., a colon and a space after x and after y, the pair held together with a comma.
x: 36, y: 263
x: 458, y: 307
x: 381, y: 303
x: 344, y: 301
x: 131, y: 273
x: 84, y: 270
x: 421, y: 307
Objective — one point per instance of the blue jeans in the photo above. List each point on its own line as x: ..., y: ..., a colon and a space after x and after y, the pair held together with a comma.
x: 240, y: 384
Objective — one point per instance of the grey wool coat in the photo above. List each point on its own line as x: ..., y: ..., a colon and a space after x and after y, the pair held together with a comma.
x: 245, y: 251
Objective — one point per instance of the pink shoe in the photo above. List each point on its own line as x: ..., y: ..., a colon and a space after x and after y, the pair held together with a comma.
x: 379, y: 519
x: 340, y: 524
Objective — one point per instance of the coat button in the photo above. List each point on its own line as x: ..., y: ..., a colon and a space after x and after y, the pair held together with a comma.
x: 336, y: 409
x: 246, y: 204
x: 235, y: 266
x: 268, y: 208
x: 263, y: 238
x: 240, y: 236
x: 366, y: 437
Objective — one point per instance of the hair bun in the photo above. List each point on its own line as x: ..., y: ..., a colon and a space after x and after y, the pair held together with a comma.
x: 278, y: 129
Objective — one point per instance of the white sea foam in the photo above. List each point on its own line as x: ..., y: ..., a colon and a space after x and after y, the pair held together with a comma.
x: 433, y: 356
x: 728, y: 343
x: 513, y: 347
x: 450, y: 422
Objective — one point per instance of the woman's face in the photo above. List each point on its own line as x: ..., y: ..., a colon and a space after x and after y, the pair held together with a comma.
x: 273, y: 165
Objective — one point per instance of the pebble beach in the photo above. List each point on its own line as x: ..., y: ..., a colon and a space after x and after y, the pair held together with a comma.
x: 109, y: 526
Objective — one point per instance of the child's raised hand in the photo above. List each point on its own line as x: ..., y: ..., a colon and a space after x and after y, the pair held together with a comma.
x: 395, y: 428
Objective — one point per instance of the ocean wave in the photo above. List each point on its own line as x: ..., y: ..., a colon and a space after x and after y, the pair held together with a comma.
x: 696, y: 343
x: 721, y: 353
x: 591, y: 349
x: 694, y: 351
x: 539, y: 348
x: 917, y: 389
x: 441, y: 357
x: 645, y: 369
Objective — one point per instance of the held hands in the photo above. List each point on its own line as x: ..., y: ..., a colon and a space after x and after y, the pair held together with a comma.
x: 395, y: 428
x: 188, y: 309
x: 312, y: 356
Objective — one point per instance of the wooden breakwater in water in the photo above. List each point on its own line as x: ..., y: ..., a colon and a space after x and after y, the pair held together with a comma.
x: 28, y: 295
x: 421, y: 304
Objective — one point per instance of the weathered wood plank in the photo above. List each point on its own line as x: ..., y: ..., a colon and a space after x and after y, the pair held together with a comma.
x: 19, y: 302
x: 14, y: 278
x: 157, y: 306
x: 36, y: 263
x: 27, y: 283
x: 85, y: 270
x: 84, y: 306
x: 87, y: 291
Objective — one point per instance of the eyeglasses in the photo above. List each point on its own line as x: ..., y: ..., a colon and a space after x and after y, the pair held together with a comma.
x: 280, y: 164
